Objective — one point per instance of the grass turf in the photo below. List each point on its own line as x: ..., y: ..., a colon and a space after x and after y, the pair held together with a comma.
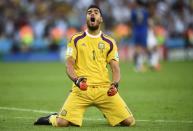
x: 152, y: 96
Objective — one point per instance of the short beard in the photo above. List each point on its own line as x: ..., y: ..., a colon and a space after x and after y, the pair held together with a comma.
x: 93, y: 28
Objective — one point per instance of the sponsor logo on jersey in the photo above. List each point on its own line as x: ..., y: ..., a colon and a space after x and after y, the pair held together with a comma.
x: 83, y: 44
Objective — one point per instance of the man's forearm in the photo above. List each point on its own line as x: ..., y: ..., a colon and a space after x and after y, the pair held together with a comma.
x: 70, y: 69
x: 115, y: 71
x: 116, y: 75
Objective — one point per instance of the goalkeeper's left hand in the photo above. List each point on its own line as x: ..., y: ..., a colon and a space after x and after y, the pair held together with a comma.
x: 81, y: 83
x: 113, y: 89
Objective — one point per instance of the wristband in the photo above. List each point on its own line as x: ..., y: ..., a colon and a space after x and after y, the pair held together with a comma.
x: 116, y: 84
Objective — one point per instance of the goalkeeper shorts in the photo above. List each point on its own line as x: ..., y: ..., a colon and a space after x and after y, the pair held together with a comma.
x: 113, y: 107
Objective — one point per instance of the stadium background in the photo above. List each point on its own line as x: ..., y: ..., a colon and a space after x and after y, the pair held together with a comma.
x: 33, y: 38
x: 29, y: 29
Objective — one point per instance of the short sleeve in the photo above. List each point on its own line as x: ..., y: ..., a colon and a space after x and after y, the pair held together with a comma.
x: 113, y: 54
x: 71, y: 50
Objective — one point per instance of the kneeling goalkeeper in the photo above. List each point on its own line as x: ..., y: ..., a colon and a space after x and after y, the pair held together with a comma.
x: 88, y: 54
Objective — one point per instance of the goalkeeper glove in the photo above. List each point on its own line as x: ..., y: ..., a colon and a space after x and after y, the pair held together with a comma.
x: 113, y: 89
x: 81, y: 83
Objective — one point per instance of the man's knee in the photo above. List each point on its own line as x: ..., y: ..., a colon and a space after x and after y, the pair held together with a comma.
x: 130, y: 121
x: 62, y: 122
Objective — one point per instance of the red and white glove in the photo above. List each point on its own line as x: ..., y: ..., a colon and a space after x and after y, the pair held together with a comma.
x: 81, y: 83
x: 113, y: 89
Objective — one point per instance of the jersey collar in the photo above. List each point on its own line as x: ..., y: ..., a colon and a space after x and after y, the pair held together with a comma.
x: 93, y: 36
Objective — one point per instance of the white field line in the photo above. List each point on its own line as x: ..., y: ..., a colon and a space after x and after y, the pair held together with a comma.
x: 89, y: 119
x: 24, y: 110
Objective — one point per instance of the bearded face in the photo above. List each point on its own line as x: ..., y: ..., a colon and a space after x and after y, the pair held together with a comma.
x: 93, y: 18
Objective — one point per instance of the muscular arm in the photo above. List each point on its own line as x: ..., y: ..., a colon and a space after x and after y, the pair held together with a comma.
x: 70, y: 68
x: 115, y: 70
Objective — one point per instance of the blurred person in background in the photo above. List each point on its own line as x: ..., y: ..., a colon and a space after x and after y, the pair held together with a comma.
x: 152, y: 46
x: 26, y: 37
x: 160, y: 33
x: 56, y: 36
x: 139, y: 20
x: 189, y: 41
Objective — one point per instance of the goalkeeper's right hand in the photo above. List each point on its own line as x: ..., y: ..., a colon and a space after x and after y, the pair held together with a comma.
x: 113, y: 89
x: 81, y: 83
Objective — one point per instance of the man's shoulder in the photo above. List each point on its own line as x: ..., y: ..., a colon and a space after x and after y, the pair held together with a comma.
x: 77, y: 35
x: 108, y: 38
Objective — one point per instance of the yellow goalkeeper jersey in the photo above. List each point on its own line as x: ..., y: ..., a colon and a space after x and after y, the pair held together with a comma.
x: 92, y: 54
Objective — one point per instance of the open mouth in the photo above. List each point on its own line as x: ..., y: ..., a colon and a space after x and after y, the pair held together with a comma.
x: 92, y: 19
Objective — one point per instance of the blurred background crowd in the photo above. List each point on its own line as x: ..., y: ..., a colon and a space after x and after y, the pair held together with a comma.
x: 47, y: 25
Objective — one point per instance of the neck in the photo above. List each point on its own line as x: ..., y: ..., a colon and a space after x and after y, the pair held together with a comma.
x: 94, y: 32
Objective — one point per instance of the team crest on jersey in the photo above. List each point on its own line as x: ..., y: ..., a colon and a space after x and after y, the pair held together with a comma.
x: 101, y: 46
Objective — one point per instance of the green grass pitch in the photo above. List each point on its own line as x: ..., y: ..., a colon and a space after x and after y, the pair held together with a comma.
x: 160, y: 101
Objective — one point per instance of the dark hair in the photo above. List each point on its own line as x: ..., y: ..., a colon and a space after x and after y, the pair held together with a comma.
x: 95, y: 6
